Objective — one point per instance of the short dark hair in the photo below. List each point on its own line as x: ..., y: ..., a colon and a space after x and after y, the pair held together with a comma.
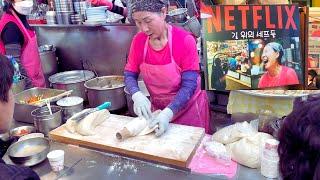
x: 312, y: 73
x: 299, y: 148
x: 6, y: 77
x: 217, y: 62
x: 7, y: 5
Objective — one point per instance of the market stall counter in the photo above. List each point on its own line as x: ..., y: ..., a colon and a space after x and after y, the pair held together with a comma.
x: 84, y: 163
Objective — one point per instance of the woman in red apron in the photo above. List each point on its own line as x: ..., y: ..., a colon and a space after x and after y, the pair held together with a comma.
x: 167, y: 59
x: 19, y: 40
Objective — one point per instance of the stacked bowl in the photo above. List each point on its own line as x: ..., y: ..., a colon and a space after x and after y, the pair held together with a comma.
x: 96, y: 14
x: 80, y: 8
x: 64, y: 10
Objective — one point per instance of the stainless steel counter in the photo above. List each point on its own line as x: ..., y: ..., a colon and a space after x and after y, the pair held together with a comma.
x: 100, y: 165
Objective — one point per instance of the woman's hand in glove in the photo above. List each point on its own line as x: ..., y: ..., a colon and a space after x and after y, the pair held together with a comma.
x: 141, y: 105
x: 162, y: 120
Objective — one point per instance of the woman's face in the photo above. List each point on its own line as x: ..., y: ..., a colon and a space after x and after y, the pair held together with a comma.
x: 6, y: 115
x: 269, y: 57
x: 152, y: 24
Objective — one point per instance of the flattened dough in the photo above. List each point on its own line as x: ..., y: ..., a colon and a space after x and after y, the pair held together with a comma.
x: 87, y: 125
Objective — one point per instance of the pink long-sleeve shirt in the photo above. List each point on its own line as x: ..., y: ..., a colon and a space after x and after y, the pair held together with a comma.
x: 184, y: 51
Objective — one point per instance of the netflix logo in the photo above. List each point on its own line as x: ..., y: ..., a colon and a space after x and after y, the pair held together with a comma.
x: 230, y: 20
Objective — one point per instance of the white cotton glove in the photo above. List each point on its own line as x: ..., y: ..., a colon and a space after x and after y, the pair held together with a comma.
x: 162, y: 119
x: 141, y: 105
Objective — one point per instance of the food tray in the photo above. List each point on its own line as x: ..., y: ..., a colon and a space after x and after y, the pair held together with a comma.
x: 22, y: 111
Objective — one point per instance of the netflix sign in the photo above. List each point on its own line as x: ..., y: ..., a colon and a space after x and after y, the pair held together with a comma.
x: 251, y: 46
x: 252, y: 21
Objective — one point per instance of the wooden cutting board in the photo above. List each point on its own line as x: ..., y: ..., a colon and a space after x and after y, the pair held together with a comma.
x: 176, y: 147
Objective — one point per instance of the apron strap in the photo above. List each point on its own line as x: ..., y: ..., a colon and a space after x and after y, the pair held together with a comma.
x: 21, y: 24
x: 169, y: 41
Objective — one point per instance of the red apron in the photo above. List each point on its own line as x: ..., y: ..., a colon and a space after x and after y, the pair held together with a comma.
x: 30, y: 58
x: 163, y: 82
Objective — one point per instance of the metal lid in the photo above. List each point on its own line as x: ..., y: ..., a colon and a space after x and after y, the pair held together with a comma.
x: 69, y: 77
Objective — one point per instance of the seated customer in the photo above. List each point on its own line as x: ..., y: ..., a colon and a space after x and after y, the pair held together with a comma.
x: 299, y: 136
x: 9, y: 172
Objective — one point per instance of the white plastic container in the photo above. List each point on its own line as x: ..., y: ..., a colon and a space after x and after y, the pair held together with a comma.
x: 56, y: 160
x: 270, y: 159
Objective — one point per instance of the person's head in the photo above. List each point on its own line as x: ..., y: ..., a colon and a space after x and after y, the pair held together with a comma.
x: 272, y: 55
x: 217, y: 62
x: 311, y: 74
x: 6, y: 95
x: 299, y: 148
x: 23, y: 7
x: 149, y: 16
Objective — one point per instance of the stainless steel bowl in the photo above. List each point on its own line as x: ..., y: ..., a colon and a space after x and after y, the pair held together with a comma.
x: 29, y: 152
x: 21, y: 131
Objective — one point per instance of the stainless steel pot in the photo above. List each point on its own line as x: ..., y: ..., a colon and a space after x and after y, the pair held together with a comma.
x: 70, y: 106
x: 48, y: 61
x: 44, y: 122
x: 106, y: 88
x: 29, y: 152
x: 72, y: 80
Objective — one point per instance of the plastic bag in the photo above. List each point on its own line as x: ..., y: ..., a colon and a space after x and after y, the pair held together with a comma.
x: 233, y: 133
x: 247, y: 150
x: 218, y: 151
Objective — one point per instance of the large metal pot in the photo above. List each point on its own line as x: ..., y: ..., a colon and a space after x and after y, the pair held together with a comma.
x: 44, y: 121
x: 72, y: 80
x: 70, y: 106
x: 48, y: 61
x: 106, y: 88
x: 144, y: 91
